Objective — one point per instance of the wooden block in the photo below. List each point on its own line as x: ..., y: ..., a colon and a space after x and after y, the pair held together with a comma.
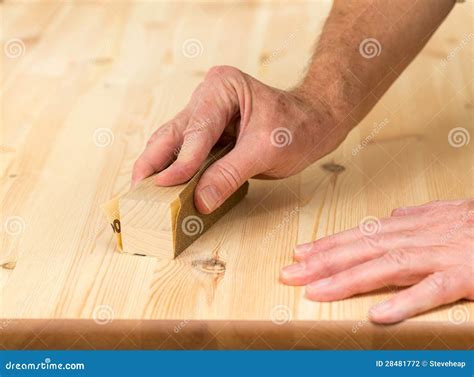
x: 163, y: 221
x: 111, y: 210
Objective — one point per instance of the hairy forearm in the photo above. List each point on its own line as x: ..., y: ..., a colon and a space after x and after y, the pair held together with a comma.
x: 364, y: 46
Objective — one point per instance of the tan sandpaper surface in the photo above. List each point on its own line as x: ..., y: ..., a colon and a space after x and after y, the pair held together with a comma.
x: 189, y: 224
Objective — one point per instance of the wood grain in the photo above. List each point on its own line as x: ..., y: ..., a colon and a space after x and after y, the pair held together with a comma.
x: 95, y: 79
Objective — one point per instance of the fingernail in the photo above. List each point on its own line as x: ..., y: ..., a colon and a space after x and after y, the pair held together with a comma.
x: 382, y: 308
x: 303, y: 248
x: 209, y: 197
x: 293, y: 269
x: 320, y: 283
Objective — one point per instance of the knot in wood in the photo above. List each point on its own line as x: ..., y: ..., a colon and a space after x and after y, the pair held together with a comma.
x: 210, y: 266
x: 333, y: 168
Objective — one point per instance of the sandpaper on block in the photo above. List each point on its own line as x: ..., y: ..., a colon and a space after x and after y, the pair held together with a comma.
x: 163, y: 221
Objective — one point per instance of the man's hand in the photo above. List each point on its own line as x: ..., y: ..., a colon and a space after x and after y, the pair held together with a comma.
x: 430, y: 247
x: 278, y: 133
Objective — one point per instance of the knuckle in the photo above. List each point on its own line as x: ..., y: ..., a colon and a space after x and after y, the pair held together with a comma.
x: 185, y: 169
x: 203, y: 135
x: 326, y: 242
x: 160, y: 132
x: 322, y: 262
x: 221, y: 70
x: 356, y: 283
x: 434, y: 203
x: 399, y: 258
x: 373, y: 242
x: 398, y: 211
x: 438, y: 283
x: 229, y: 174
x: 170, y: 129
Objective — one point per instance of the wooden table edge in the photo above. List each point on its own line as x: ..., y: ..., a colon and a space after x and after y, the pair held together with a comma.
x: 148, y: 334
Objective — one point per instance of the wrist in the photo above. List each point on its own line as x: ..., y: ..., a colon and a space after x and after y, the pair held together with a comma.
x: 325, y: 94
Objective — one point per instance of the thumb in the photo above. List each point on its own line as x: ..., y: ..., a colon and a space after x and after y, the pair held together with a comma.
x: 224, y: 177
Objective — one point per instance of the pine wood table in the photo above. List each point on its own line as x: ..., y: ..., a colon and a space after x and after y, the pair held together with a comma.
x: 83, y: 85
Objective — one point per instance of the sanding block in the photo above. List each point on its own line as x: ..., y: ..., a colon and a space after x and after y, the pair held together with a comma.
x: 163, y: 221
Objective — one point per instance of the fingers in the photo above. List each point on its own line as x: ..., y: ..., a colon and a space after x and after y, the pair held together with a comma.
x: 225, y: 176
x: 424, y: 208
x: 357, y: 250
x: 435, y: 290
x: 400, y: 251
x: 160, y: 149
x: 323, y: 263
x: 196, y: 146
x: 343, y: 238
x: 397, y: 267
x: 320, y: 263
x: 214, y: 104
x: 390, y: 233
